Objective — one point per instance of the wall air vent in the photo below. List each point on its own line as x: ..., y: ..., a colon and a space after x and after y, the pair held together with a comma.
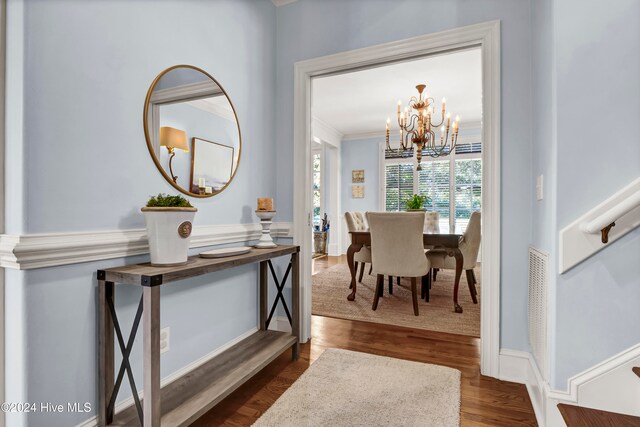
x: 538, y: 284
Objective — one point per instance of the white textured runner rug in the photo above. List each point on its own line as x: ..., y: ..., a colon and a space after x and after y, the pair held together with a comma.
x: 348, y: 388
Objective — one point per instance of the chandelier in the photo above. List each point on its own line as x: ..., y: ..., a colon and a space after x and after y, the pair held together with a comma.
x: 418, y: 128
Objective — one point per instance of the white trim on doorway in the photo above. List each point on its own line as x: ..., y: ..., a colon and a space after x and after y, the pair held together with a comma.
x: 483, y: 35
x: 3, y: 65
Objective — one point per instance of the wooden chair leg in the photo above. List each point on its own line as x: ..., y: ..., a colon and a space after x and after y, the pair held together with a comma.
x: 376, y: 294
x: 390, y: 285
x: 355, y: 267
x: 435, y: 273
x: 398, y: 280
x: 471, y: 281
x: 361, y: 272
x: 370, y: 269
x: 414, y: 292
x: 426, y: 285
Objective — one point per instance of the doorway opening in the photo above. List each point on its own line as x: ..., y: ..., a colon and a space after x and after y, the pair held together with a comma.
x: 484, y: 38
x: 379, y: 178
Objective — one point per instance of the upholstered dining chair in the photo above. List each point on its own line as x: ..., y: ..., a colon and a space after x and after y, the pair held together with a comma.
x: 469, y: 246
x: 356, y: 221
x: 397, y: 249
x: 431, y: 222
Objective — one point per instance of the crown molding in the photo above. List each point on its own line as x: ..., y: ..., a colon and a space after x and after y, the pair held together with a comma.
x: 364, y: 135
x: 23, y: 252
x: 186, y: 92
x: 217, y: 110
x: 324, y: 132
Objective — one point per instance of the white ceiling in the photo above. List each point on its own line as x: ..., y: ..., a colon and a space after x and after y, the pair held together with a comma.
x: 359, y: 102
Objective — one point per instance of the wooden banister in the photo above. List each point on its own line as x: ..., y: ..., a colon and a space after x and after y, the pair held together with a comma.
x: 577, y: 416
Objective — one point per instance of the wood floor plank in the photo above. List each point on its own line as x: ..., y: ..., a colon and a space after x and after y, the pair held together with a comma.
x: 484, y: 401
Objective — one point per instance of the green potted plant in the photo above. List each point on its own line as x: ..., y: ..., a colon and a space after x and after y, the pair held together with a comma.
x: 169, y: 221
x: 417, y: 203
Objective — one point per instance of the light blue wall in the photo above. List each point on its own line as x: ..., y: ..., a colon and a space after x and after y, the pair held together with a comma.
x: 360, y: 154
x: 544, y: 156
x: 88, y: 66
x: 83, y: 165
x: 309, y: 29
x: 597, y: 69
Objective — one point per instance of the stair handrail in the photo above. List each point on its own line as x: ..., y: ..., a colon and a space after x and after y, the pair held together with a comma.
x: 603, y: 222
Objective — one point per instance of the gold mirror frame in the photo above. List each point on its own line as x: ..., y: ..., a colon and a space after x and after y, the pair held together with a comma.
x: 147, y: 136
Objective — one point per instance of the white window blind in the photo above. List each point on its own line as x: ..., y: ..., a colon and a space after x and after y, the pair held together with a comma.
x: 453, y: 182
x: 399, y: 185
x: 434, y: 182
x: 468, y: 188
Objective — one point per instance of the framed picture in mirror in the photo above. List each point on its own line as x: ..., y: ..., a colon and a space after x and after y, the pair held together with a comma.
x: 211, y: 164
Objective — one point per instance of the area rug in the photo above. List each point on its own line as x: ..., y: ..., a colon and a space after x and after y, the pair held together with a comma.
x: 348, y: 388
x: 331, y: 287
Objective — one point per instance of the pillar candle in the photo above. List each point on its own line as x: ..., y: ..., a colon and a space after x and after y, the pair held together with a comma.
x: 265, y: 204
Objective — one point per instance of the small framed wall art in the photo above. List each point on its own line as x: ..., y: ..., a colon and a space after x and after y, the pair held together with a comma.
x: 357, y: 176
x: 357, y: 191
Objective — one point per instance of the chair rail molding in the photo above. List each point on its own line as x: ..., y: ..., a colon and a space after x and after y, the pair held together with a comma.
x: 609, y: 385
x: 484, y: 35
x: 581, y: 239
x: 53, y: 249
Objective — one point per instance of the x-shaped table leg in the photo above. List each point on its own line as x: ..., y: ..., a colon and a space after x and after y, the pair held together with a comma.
x: 280, y: 287
x: 125, y: 365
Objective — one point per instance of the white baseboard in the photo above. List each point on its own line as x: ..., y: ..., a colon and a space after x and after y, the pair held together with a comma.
x: 334, y: 249
x: 177, y: 374
x: 52, y: 249
x: 609, y: 385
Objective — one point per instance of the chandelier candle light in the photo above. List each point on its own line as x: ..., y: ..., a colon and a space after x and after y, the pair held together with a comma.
x: 419, y: 128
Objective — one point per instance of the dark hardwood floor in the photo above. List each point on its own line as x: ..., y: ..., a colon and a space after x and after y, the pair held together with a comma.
x: 484, y: 401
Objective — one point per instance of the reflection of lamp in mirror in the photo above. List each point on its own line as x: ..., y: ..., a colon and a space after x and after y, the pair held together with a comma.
x: 173, y: 138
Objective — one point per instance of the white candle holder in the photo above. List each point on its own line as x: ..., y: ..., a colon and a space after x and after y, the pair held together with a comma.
x: 265, y: 220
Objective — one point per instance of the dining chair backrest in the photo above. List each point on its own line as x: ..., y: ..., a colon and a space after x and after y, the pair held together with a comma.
x: 397, y: 247
x: 470, y: 244
x: 431, y: 222
x: 355, y: 221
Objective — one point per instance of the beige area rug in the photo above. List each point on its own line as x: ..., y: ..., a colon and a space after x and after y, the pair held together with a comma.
x: 331, y: 287
x: 347, y: 388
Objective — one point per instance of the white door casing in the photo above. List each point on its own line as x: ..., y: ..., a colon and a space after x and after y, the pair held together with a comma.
x: 483, y: 35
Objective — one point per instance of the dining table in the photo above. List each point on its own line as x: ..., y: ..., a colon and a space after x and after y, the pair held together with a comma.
x: 448, y: 243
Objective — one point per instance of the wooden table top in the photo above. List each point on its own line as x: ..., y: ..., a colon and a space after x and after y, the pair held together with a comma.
x: 432, y: 239
x: 147, y: 275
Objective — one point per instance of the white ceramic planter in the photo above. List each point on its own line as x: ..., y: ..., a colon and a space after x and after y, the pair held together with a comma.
x: 169, y: 233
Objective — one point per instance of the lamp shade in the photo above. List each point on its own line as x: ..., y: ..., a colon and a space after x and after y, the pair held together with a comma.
x: 173, y: 138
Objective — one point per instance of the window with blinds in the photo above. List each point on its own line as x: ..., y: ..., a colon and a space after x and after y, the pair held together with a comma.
x: 433, y: 181
x: 468, y: 191
x: 317, y: 195
x: 453, y: 182
x: 399, y: 185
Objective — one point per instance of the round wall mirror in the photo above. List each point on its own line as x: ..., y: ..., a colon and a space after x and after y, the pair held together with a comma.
x: 192, y: 131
